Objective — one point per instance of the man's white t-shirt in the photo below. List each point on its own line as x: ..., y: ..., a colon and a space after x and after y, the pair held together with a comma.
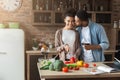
x: 86, y: 38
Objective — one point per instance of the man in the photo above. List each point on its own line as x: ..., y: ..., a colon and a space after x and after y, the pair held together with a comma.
x: 93, y: 38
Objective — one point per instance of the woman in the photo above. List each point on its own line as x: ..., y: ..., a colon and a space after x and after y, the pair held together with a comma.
x: 67, y: 39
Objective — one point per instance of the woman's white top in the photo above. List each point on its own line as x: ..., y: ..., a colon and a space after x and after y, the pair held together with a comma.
x: 68, y: 37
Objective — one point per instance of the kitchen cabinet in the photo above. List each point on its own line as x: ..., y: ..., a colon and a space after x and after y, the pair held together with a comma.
x: 32, y: 59
x: 51, y: 12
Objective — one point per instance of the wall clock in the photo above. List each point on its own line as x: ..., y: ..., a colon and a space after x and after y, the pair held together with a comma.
x: 10, y: 5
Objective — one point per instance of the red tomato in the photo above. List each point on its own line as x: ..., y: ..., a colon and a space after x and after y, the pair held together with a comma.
x: 72, y: 60
x: 76, y: 68
x: 65, y: 69
x: 70, y: 67
x: 86, y: 65
x: 66, y: 62
x: 94, y: 65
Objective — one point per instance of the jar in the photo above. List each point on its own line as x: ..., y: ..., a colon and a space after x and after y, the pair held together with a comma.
x: 50, y: 45
x: 119, y: 23
x: 101, y: 8
x: 115, y: 24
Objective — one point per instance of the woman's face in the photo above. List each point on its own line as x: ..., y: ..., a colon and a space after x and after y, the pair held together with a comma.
x: 69, y: 22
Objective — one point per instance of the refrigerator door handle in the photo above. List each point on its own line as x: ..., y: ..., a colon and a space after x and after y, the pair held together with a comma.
x: 3, y: 53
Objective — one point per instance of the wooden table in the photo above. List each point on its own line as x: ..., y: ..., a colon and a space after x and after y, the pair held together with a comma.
x: 36, y: 54
x: 77, y: 75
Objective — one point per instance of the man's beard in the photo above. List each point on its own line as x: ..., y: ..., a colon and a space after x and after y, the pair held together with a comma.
x: 78, y: 25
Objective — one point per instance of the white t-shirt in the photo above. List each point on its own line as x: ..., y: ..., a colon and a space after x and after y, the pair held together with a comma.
x: 88, y: 57
x: 68, y: 37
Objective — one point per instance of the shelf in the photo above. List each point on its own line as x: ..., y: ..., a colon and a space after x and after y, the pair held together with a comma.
x: 62, y: 24
x: 103, y: 12
x: 52, y: 11
x: 106, y: 24
x: 43, y: 11
x: 42, y: 24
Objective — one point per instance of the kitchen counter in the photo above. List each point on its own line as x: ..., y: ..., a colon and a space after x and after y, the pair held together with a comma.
x: 77, y: 75
x: 30, y: 54
x: 54, y: 52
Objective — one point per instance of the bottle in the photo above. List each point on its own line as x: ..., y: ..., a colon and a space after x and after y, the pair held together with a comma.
x: 101, y: 8
x: 88, y: 6
x: 115, y: 24
x: 61, y: 6
x: 79, y: 5
x: 37, y: 5
x: 84, y: 7
x: 119, y: 23
x: 47, y: 5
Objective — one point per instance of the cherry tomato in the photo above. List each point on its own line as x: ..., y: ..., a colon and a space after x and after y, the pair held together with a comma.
x: 72, y: 60
x: 70, y: 67
x: 66, y: 62
x: 76, y: 68
x: 86, y: 65
x: 65, y: 69
x: 94, y: 65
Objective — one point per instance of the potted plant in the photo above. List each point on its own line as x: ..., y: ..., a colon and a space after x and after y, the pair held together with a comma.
x: 35, y: 44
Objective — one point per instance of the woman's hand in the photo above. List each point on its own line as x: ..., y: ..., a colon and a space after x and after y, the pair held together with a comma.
x: 60, y: 49
x: 63, y: 48
x: 67, y: 48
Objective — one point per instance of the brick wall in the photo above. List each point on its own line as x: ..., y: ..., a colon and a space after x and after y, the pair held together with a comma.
x: 24, y: 16
x: 116, y: 9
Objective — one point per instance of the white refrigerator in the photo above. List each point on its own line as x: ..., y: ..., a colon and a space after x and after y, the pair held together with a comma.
x: 12, y: 54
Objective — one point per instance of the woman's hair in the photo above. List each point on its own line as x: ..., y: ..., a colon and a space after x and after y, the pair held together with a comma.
x: 82, y: 15
x: 70, y: 12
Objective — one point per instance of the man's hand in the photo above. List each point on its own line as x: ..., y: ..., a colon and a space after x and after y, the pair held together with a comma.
x: 92, y: 47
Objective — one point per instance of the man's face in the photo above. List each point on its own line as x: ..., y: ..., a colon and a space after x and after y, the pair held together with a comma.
x: 78, y: 22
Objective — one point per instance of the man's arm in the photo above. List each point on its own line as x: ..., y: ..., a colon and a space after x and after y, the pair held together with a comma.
x: 102, y: 37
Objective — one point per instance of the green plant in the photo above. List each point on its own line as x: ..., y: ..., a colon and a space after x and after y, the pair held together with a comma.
x: 35, y: 43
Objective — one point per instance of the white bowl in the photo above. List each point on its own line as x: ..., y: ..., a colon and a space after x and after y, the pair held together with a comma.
x: 34, y: 48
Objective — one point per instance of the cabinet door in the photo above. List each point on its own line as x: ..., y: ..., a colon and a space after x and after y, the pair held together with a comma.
x: 34, y: 74
x: 42, y: 17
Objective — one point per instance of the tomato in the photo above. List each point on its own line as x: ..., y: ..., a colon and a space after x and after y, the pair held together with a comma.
x: 66, y: 62
x: 86, y: 65
x: 65, y: 69
x: 72, y: 60
x: 94, y: 65
x: 70, y: 67
x: 76, y: 68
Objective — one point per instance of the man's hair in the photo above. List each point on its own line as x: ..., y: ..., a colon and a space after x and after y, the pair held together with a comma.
x: 82, y: 15
x: 70, y: 12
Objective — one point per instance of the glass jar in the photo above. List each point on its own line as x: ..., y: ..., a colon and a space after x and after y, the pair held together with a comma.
x: 115, y: 24
x: 119, y: 23
x: 50, y: 45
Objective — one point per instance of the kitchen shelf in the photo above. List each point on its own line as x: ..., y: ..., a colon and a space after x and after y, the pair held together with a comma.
x: 99, y: 11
